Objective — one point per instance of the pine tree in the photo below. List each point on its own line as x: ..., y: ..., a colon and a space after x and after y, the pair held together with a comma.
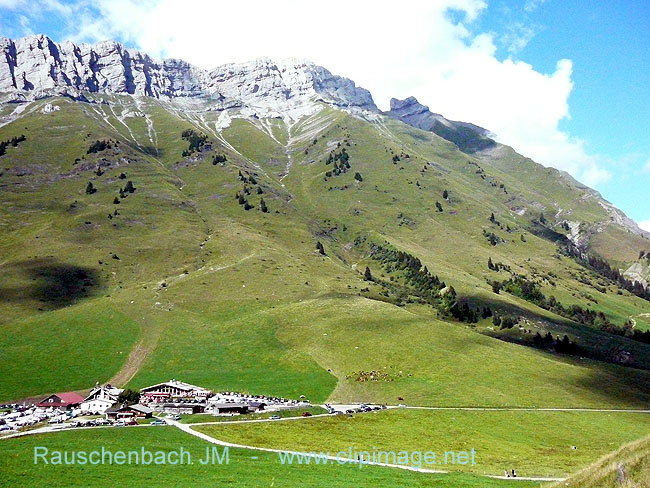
x: 438, y: 207
x: 490, y: 264
x: 90, y: 189
x: 542, y: 219
x: 357, y: 176
x: 320, y: 248
x: 129, y: 187
x: 492, y: 218
x: 367, y: 275
x: 445, y: 194
x: 116, y: 201
x: 263, y: 206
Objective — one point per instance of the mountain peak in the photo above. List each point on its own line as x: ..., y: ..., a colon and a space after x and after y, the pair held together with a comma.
x: 34, y: 65
x: 469, y: 138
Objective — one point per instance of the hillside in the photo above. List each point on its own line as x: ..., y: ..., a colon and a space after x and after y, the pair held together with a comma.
x: 187, y: 266
x: 626, y: 467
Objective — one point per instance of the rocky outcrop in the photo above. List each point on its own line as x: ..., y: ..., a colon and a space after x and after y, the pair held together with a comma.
x: 469, y: 138
x: 36, y: 65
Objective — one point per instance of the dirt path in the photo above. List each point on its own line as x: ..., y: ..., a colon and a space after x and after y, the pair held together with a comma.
x: 137, y: 356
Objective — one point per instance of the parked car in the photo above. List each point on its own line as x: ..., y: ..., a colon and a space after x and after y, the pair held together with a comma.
x: 159, y: 422
x: 275, y: 417
x: 306, y: 414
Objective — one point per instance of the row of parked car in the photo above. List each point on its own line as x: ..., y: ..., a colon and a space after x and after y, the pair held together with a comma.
x: 361, y: 408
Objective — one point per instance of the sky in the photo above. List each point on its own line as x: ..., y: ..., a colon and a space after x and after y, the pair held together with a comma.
x: 565, y: 83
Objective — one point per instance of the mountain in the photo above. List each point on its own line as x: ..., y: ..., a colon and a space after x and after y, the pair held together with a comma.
x: 468, y: 137
x: 38, y: 66
x: 216, y: 226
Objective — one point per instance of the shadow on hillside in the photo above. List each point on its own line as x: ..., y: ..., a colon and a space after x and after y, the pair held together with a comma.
x: 48, y: 283
x: 618, y: 385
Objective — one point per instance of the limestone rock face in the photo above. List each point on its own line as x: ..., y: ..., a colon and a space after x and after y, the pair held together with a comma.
x: 35, y: 65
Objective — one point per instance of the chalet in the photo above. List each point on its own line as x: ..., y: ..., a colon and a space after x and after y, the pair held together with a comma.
x: 174, y: 390
x: 67, y: 400
x: 100, y: 399
x: 128, y: 412
x: 229, y: 408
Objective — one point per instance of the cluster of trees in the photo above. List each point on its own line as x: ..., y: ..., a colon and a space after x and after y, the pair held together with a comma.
x: 13, y: 142
x: 563, y: 346
x: 341, y: 160
x: 219, y: 159
x: 504, y: 321
x: 247, y: 178
x: 98, y: 146
x: 492, y: 237
x: 417, y: 278
x: 128, y: 396
x: 196, y: 139
x: 529, y: 290
x: 242, y: 200
x: 603, y: 268
x: 628, y: 331
x: 492, y: 266
x: 401, y: 156
x: 522, y: 287
x: 463, y: 313
x: 129, y: 188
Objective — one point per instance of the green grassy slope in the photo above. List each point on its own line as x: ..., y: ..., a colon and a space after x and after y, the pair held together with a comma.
x: 237, y: 299
x: 18, y: 466
x: 533, y: 443
x: 626, y: 467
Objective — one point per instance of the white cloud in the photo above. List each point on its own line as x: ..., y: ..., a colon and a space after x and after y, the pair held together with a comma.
x: 517, y: 37
x: 532, y: 5
x: 416, y: 49
x: 645, y: 225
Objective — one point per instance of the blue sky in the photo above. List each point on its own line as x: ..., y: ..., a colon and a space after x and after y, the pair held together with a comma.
x: 609, y: 45
x: 565, y: 83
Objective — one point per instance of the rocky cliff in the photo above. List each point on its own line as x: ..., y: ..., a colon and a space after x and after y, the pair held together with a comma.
x: 35, y: 65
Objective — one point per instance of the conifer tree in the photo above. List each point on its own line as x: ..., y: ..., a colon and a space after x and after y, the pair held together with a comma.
x: 367, y: 275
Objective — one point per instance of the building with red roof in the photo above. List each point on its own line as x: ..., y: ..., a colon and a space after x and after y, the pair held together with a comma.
x: 68, y: 399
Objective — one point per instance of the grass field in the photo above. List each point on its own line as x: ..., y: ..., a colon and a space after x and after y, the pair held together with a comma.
x: 18, y: 468
x: 533, y: 443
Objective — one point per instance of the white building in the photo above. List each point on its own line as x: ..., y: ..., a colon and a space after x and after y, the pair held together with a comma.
x: 172, y: 390
x: 100, y: 399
